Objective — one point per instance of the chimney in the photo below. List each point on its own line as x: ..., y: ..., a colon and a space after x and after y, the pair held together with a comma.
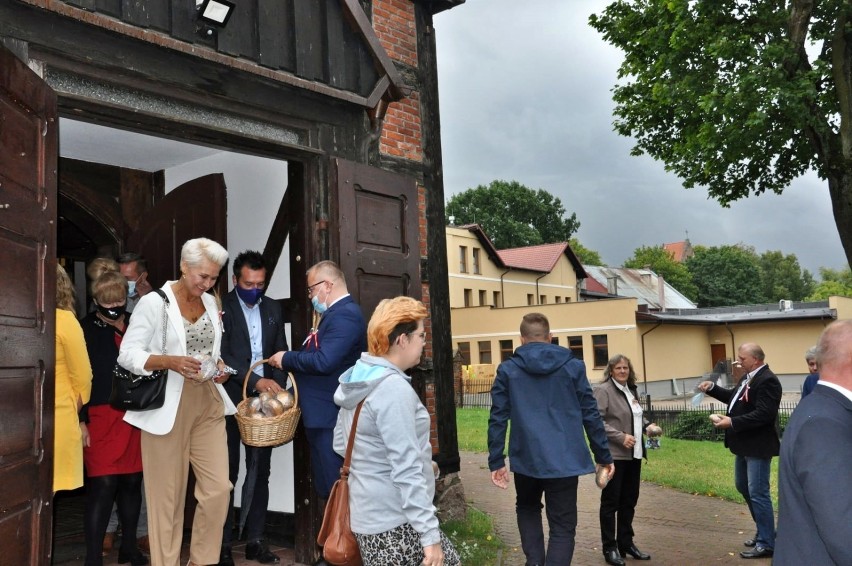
x: 612, y: 285
x: 661, y: 292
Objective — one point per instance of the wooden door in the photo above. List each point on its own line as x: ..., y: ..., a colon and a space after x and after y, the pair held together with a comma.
x: 196, y: 209
x: 28, y: 138
x: 717, y: 354
x: 378, y: 238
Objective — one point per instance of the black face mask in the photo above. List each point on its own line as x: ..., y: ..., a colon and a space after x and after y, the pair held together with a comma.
x: 113, y: 313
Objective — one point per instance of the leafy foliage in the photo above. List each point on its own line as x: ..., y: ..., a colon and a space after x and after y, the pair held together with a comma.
x: 513, y: 215
x: 663, y: 263
x: 834, y: 282
x: 783, y: 278
x: 726, y: 276
x: 584, y: 254
x: 694, y: 425
x: 724, y: 93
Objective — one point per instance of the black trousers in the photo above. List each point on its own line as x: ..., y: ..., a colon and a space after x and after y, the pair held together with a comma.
x: 256, y: 513
x: 560, y: 497
x: 618, y: 505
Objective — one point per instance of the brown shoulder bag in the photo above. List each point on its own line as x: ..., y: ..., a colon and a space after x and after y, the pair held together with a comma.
x: 339, y: 546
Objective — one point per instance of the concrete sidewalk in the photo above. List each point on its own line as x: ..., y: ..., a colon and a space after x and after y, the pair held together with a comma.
x: 675, y: 528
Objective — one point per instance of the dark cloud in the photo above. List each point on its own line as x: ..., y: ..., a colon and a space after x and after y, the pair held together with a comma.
x: 525, y: 95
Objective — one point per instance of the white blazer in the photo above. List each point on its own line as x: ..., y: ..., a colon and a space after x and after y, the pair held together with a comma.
x: 144, y: 337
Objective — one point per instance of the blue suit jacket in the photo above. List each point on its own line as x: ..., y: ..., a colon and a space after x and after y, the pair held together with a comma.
x: 814, y: 482
x: 340, y: 339
x: 236, y: 350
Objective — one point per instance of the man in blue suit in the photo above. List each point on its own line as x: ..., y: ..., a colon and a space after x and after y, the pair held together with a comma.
x: 815, y: 485
x: 330, y: 349
x: 253, y: 330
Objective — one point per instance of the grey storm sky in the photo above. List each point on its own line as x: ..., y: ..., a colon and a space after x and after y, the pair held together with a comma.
x: 525, y: 96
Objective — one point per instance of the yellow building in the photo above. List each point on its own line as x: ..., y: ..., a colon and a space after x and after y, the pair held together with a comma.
x: 491, y: 290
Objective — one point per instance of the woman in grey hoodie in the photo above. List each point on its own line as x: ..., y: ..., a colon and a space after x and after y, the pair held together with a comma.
x: 391, y: 480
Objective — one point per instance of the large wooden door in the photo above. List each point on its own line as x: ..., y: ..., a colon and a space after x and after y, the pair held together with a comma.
x: 379, y: 237
x: 196, y: 209
x: 28, y: 155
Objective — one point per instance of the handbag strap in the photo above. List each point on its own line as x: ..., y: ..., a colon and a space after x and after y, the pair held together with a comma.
x: 344, y: 471
x: 165, y: 315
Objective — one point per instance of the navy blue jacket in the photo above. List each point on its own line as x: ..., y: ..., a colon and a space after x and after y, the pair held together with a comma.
x: 543, y: 390
x: 814, y: 482
x: 341, y: 337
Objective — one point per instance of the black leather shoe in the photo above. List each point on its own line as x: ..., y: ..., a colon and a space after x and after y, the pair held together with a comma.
x: 258, y: 550
x: 613, y: 557
x: 135, y: 559
x: 750, y: 542
x: 225, y: 558
x: 758, y: 552
x: 635, y: 553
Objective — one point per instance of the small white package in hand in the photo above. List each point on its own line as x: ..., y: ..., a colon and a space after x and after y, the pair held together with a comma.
x: 697, y: 398
x: 210, y: 368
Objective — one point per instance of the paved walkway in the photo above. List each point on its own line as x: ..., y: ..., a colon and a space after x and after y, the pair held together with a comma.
x: 675, y: 528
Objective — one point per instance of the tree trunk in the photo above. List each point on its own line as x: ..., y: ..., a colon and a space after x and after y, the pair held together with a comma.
x: 840, y: 189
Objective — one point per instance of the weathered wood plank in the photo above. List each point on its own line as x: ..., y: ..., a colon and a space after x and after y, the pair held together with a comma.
x: 276, y: 34
x: 109, y: 7
x: 147, y: 13
x: 310, y: 19
x: 239, y: 38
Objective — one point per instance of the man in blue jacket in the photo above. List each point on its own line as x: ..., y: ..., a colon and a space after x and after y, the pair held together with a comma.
x: 543, y: 390
x: 330, y: 349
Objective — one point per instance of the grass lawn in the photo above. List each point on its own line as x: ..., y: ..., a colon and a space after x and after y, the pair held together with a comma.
x: 474, y: 538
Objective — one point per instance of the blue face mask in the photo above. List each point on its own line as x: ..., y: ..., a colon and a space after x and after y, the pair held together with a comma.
x: 131, y: 288
x: 318, y: 306
x: 249, y: 296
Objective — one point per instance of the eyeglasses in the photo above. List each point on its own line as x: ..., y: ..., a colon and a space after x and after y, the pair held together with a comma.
x: 311, y: 287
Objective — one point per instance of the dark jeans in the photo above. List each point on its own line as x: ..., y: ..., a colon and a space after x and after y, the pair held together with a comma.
x: 751, y: 476
x: 560, y: 497
x: 325, y: 462
x: 256, y: 513
x: 618, y: 505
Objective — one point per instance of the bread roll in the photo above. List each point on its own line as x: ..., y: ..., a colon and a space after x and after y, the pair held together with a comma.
x: 273, y: 408
x: 285, y: 398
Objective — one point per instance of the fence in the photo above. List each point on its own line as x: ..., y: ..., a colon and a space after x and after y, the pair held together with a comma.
x: 678, y: 418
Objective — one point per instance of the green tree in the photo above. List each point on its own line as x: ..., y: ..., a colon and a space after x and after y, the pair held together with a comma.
x: 834, y: 282
x: 584, y: 254
x: 513, y: 215
x: 783, y: 278
x: 725, y: 94
x: 726, y: 276
x: 662, y: 262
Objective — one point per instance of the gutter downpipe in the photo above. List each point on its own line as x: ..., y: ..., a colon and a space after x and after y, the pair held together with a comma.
x: 644, y: 368
x: 733, y: 342
x: 502, y: 290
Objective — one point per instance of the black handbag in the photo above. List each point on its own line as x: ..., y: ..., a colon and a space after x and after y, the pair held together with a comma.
x: 131, y: 392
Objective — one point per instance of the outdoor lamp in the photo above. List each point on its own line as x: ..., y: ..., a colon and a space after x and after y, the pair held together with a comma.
x: 215, y: 12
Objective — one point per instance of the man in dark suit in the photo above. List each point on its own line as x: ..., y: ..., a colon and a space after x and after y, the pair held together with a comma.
x: 253, y: 330
x: 815, y: 484
x: 330, y: 349
x: 751, y: 433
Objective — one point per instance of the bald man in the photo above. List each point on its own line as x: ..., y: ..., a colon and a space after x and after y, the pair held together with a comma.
x: 815, y: 481
x: 751, y: 434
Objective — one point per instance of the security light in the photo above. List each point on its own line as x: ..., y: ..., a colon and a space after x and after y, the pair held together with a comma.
x: 215, y: 12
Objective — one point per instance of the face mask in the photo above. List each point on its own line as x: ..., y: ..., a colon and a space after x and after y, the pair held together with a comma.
x: 318, y: 306
x: 249, y: 296
x: 131, y: 288
x: 113, y: 313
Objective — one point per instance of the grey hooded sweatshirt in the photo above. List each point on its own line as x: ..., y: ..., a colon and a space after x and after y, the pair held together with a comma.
x: 391, y: 481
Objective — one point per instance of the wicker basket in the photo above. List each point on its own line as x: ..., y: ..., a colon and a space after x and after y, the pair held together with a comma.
x: 268, y: 431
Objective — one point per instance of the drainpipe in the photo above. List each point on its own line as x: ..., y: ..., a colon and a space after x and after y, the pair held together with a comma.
x: 733, y: 343
x: 537, y: 296
x: 644, y: 367
x: 502, y: 290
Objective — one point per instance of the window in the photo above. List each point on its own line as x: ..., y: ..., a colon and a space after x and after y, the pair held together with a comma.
x: 575, y: 344
x: 476, y: 261
x: 554, y: 340
x: 485, y: 352
x: 468, y: 297
x: 542, y: 299
x: 558, y: 299
x: 483, y: 298
x: 530, y: 299
x: 599, y: 343
x: 462, y: 259
x: 497, y: 299
x: 506, y: 350
x: 464, y: 351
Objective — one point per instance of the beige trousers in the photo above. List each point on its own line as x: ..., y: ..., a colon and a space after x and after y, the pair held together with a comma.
x: 198, y: 438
